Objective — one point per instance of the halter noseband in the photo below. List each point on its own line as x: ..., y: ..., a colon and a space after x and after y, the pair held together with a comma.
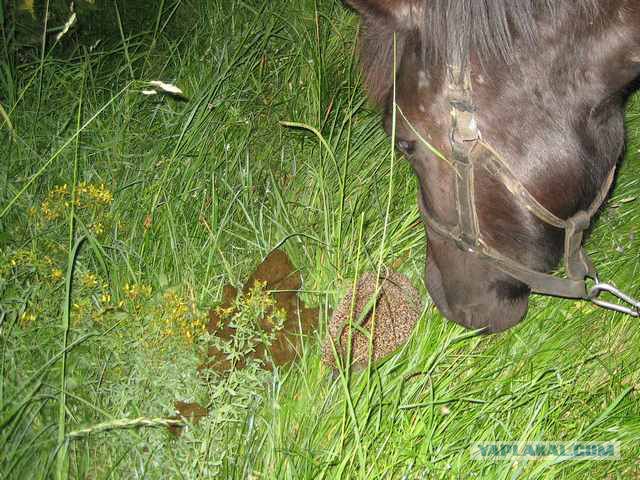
x: 469, y: 152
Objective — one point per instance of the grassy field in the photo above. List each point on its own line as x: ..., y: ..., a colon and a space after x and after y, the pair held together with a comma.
x: 122, y: 215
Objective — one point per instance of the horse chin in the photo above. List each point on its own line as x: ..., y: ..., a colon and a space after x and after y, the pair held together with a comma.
x: 500, y: 305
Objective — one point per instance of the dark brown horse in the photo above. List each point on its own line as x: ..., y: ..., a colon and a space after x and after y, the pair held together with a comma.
x: 549, y: 79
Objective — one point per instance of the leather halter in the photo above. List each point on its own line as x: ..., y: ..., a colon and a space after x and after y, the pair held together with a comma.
x: 470, y: 153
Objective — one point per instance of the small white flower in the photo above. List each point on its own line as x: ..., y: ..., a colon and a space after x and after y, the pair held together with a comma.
x: 166, y: 87
x: 67, y: 26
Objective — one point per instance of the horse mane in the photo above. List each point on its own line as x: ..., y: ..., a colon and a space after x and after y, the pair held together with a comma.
x: 454, y: 28
x: 490, y: 28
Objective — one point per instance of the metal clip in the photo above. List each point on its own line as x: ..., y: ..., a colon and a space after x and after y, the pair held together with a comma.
x: 598, y: 288
x: 466, y: 243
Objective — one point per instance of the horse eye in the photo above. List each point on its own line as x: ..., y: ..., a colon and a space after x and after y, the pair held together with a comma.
x: 407, y: 147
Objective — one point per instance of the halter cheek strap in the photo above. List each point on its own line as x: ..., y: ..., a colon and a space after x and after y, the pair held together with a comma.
x: 470, y: 152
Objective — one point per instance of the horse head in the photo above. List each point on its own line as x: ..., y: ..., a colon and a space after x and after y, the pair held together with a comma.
x: 543, y: 86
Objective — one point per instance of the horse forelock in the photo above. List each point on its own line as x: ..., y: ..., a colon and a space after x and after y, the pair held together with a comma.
x: 490, y: 28
x: 442, y: 29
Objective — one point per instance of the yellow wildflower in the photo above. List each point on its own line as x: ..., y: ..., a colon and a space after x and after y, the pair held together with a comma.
x: 49, y: 213
x: 136, y: 291
x: 89, y: 280
x: 60, y: 190
x: 56, y: 274
x: 27, y: 317
x: 98, y: 193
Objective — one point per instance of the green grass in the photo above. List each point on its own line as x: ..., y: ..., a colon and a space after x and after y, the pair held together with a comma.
x: 175, y: 199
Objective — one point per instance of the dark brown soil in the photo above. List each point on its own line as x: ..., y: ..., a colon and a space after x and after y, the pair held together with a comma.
x: 283, y: 281
x: 193, y: 412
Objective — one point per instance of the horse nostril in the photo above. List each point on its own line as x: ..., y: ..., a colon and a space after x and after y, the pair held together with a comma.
x: 407, y: 147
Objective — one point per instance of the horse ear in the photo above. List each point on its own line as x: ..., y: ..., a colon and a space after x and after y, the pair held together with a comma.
x: 402, y: 13
x: 384, y: 22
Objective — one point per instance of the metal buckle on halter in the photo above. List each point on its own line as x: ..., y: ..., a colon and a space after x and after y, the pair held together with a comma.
x: 466, y: 243
x: 599, y: 288
x: 464, y: 137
